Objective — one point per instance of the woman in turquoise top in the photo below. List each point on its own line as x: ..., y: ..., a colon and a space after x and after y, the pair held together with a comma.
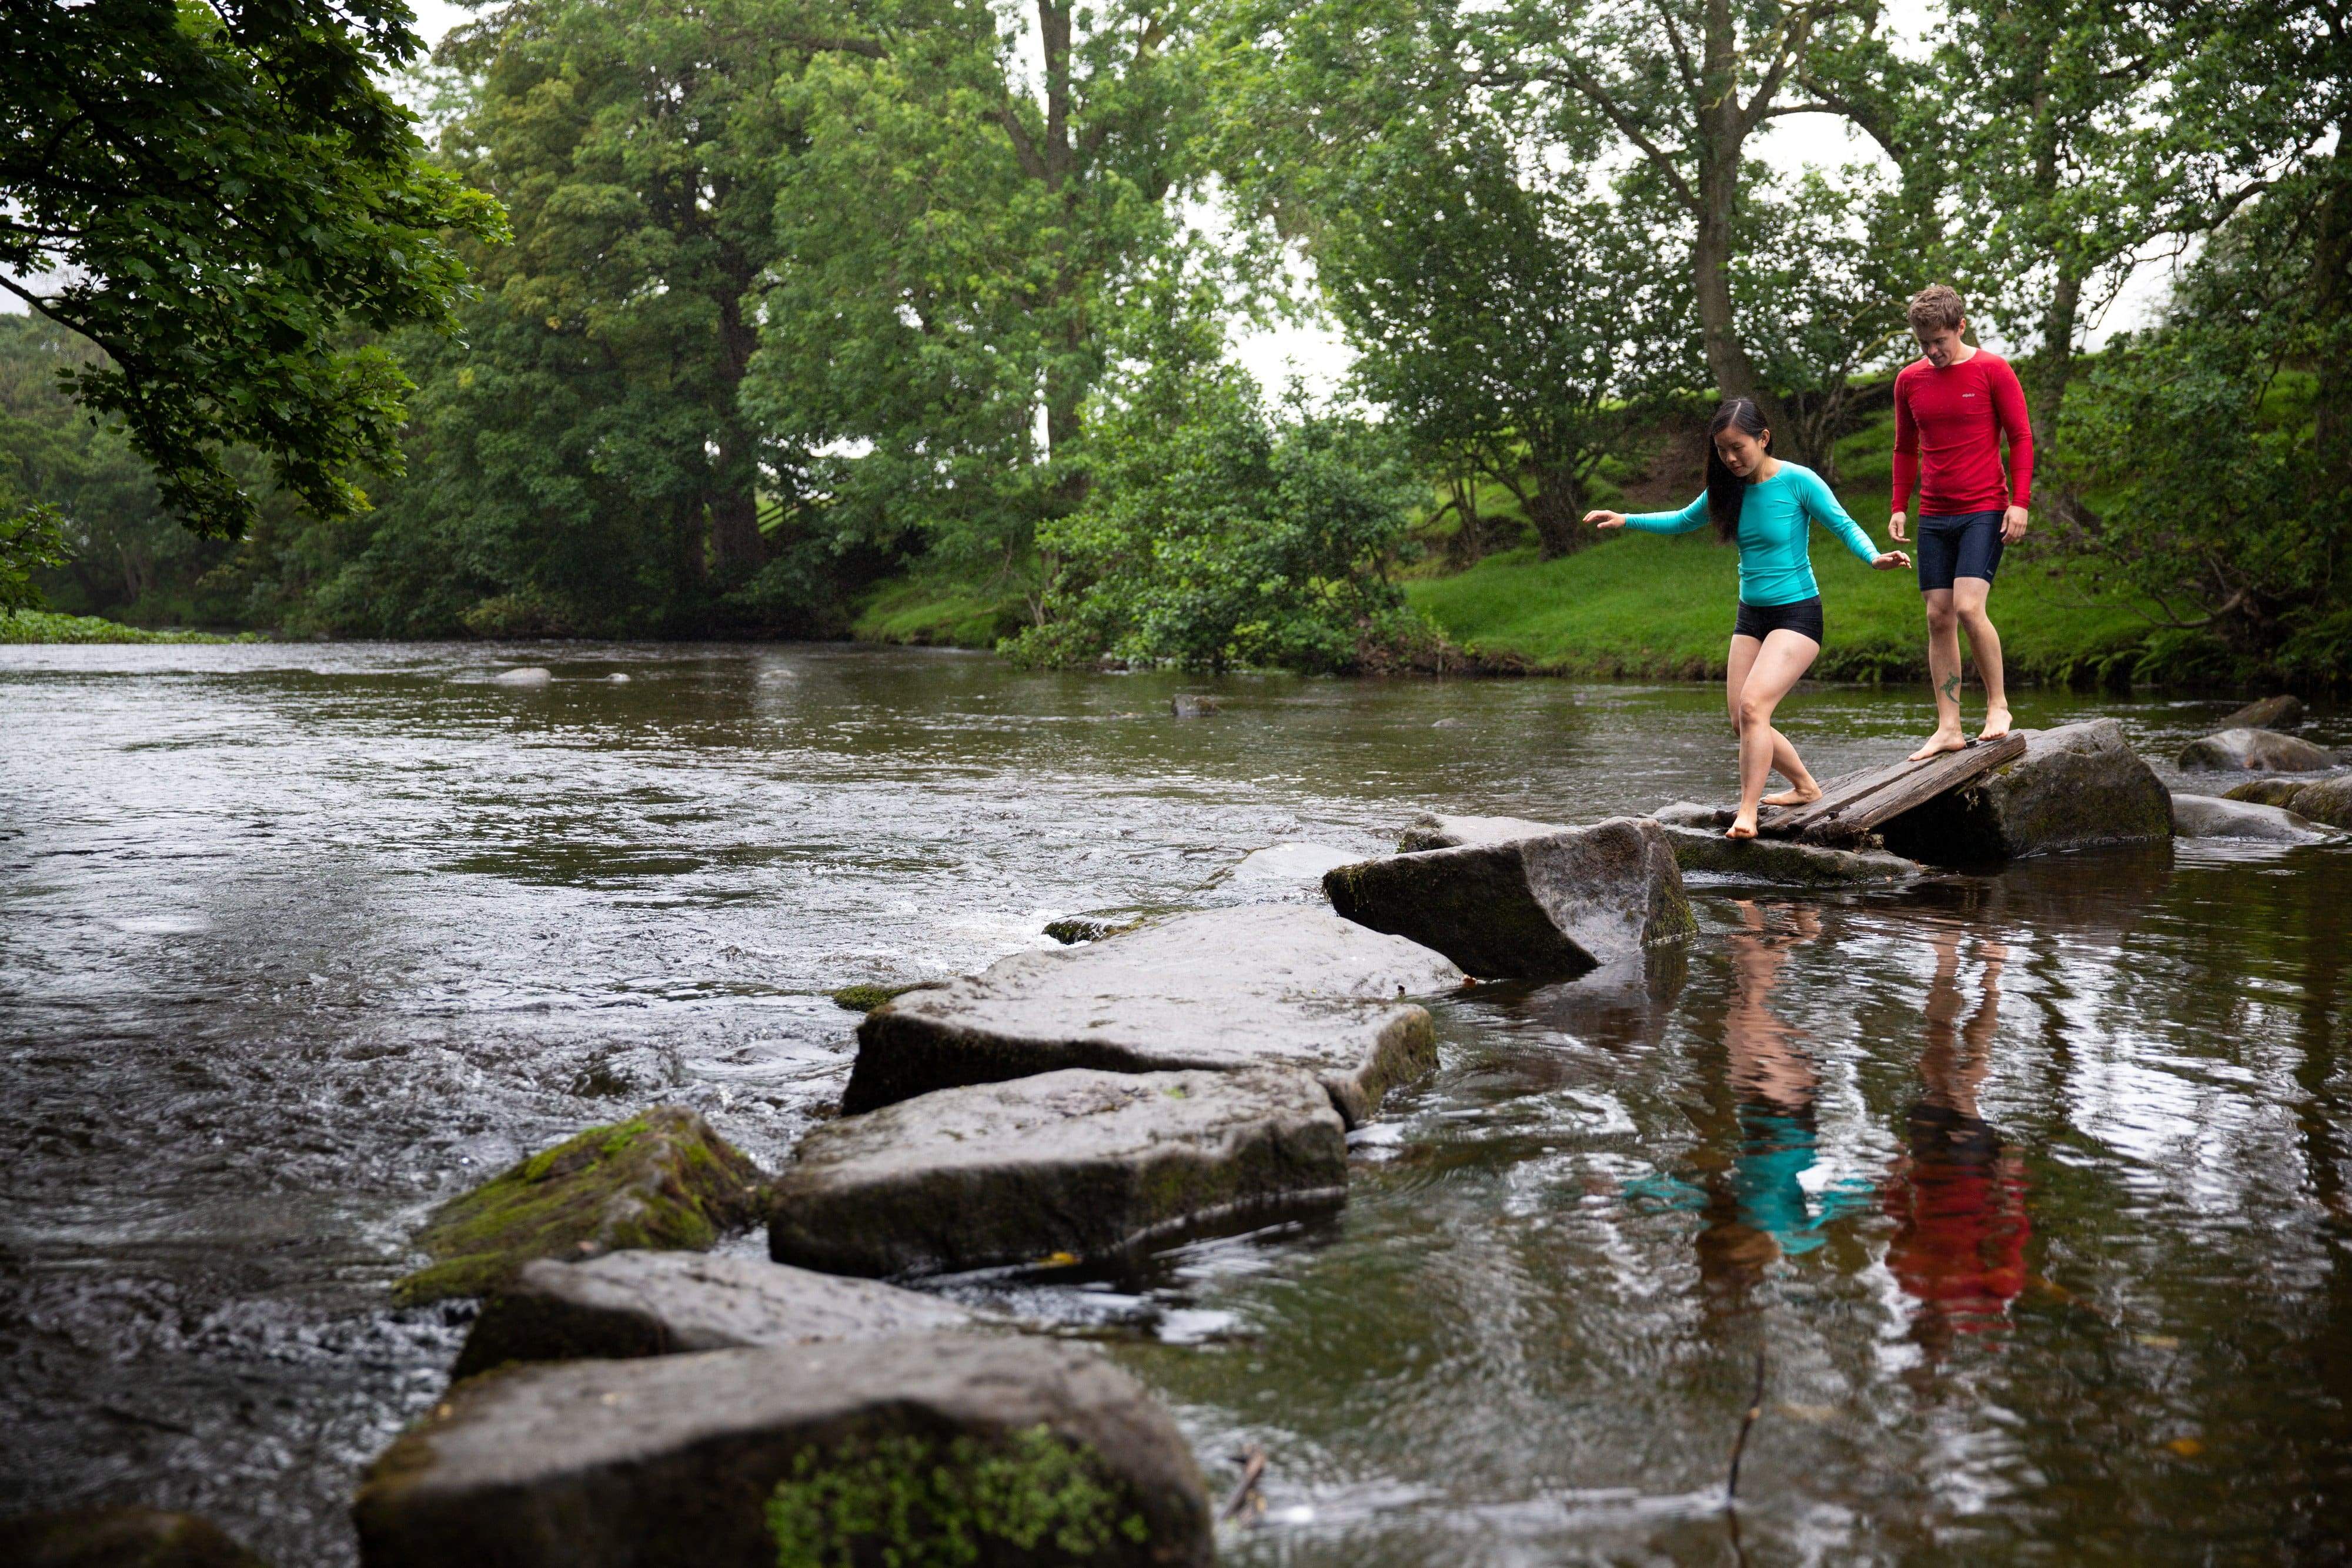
x: 1768, y: 506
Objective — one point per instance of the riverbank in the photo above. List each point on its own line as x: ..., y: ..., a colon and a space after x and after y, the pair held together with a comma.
x: 26, y: 626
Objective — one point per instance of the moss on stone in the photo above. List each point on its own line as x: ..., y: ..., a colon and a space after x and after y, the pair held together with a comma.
x: 865, y: 998
x: 916, y: 1502
x: 661, y: 1179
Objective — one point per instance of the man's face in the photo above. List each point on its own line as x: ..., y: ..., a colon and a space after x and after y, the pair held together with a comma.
x: 1943, y: 345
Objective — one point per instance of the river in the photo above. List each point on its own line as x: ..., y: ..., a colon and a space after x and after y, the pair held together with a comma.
x: 2030, y: 1189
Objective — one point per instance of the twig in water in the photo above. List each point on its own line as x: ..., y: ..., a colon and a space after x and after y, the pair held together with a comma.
x: 1245, y: 1498
x: 1739, y: 1444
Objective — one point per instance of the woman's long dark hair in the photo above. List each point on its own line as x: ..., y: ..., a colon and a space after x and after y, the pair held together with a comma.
x: 1725, y: 489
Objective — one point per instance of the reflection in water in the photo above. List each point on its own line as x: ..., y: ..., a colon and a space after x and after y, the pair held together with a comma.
x: 1957, y: 1195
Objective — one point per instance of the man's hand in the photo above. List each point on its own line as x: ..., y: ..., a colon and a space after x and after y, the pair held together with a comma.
x: 1605, y: 519
x: 2012, y: 526
x: 1892, y: 560
x: 1894, y: 527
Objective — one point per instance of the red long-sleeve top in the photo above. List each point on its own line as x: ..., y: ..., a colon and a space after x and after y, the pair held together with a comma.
x: 1949, y: 425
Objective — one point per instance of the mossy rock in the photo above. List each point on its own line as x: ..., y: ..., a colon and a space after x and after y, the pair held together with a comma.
x: 661, y: 1179
x: 119, y: 1537
x: 865, y: 998
x: 2266, y: 792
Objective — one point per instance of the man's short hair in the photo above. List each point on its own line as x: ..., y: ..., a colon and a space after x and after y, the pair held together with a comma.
x: 1936, y: 308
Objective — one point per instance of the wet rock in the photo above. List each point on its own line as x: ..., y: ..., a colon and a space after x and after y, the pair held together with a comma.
x: 2210, y: 817
x: 1541, y: 907
x: 2282, y: 712
x: 119, y: 1537
x: 821, y: 1453
x: 1256, y: 986
x: 672, y: 1303
x: 2329, y: 801
x: 1691, y: 814
x: 2266, y: 792
x: 1433, y: 831
x: 1076, y: 1165
x: 2256, y: 751
x: 531, y: 675
x: 1783, y: 862
x: 1191, y: 704
x: 1285, y: 864
x: 1077, y: 928
x: 2078, y: 786
x: 661, y: 1179
x: 866, y: 997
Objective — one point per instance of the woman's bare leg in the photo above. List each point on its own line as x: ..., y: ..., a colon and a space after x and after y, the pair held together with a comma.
x: 1779, y: 664
x: 1785, y: 760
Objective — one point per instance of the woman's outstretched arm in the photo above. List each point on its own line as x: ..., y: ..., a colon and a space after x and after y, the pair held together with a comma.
x: 1681, y: 522
x: 1822, y: 505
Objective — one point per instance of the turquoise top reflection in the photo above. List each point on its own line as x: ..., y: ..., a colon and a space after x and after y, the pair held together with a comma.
x: 1775, y: 565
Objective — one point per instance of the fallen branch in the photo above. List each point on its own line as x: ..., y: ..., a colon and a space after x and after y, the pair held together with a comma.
x: 1245, y: 1498
x: 1739, y: 1444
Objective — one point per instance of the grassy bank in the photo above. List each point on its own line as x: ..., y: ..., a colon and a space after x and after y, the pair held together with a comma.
x: 928, y: 613
x: 45, y: 626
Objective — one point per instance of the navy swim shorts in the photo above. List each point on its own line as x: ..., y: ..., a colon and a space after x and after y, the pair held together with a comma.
x: 1965, y: 546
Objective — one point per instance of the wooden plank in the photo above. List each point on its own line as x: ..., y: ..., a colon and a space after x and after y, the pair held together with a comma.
x: 1851, y: 806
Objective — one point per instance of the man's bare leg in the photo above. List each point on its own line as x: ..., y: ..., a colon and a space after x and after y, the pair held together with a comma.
x: 1968, y: 595
x: 1944, y: 670
x: 1802, y: 788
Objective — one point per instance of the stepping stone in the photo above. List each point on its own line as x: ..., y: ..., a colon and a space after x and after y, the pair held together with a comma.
x: 1223, y: 989
x: 661, y: 1179
x: 740, y: 1458
x: 2208, y: 817
x: 1696, y: 837
x: 1069, y: 1165
x: 2074, y: 788
x: 1544, y: 907
x: 2256, y: 751
x: 672, y: 1303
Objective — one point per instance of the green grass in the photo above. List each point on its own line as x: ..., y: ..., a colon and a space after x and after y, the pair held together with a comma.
x: 933, y: 613
x: 45, y: 626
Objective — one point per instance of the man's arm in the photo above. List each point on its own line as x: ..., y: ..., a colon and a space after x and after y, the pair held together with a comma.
x: 2008, y: 409
x: 1906, y: 459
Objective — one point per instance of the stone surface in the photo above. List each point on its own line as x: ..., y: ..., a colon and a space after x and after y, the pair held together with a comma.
x: 1256, y: 986
x: 2256, y: 751
x: 1079, y: 1164
x: 2078, y: 786
x: 1189, y: 705
x: 746, y: 1459
x: 1282, y: 866
x: 119, y: 1538
x: 2329, y: 800
x: 1699, y: 847
x: 662, y: 1179
x: 1527, y: 908
x: 1433, y: 831
x: 2210, y: 817
x: 2282, y: 712
x: 1691, y: 814
x: 671, y: 1303
x: 2266, y: 792
x: 1076, y: 928
x: 531, y: 675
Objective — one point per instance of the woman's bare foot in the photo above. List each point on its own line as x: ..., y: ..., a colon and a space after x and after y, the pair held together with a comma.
x: 1743, y: 826
x: 1801, y: 795
x: 1996, y: 724
x: 1943, y: 740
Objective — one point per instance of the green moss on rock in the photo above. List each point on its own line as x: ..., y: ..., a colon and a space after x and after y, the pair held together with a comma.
x: 865, y: 998
x: 662, y: 1179
x: 916, y: 1502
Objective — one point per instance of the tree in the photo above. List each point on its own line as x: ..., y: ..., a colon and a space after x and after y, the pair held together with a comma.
x: 212, y: 193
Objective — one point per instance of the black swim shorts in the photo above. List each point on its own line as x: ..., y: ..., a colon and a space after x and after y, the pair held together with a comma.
x: 1968, y: 545
x: 1760, y: 621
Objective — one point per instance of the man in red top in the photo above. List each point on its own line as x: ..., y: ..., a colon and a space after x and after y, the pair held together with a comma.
x: 1952, y: 407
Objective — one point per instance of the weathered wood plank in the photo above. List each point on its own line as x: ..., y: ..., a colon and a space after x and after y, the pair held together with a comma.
x: 1851, y: 806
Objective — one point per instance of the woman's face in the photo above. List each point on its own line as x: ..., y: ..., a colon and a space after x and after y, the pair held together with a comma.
x: 1742, y: 453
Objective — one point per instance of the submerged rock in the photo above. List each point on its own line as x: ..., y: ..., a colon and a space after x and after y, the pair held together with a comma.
x: 1192, y: 705
x: 530, y: 675
x: 1784, y: 862
x: 2282, y: 712
x: 2329, y: 800
x: 1541, y: 907
x: 661, y: 1179
x: 999, y: 1451
x: 2210, y: 817
x: 2078, y: 786
x: 1258, y: 986
x: 1284, y: 864
x: 673, y: 1303
x: 1076, y: 1165
x: 2256, y: 751
x: 2266, y: 792
x: 119, y: 1537
x: 1077, y: 928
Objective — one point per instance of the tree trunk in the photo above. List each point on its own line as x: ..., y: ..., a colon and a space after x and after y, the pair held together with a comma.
x: 1722, y: 131
x: 2057, y: 367
x: 2331, y: 299
x: 1557, y: 510
x: 1468, y: 545
x: 737, y: 547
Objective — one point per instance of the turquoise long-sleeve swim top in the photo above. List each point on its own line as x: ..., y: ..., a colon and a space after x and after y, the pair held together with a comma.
x: 1775, y: 565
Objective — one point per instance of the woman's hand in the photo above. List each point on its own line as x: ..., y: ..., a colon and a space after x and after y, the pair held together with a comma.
x: 1892, y: 560
x: 1605, y: 519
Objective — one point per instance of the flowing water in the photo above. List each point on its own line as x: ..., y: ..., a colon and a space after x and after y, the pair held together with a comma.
x: 2028, y: 1189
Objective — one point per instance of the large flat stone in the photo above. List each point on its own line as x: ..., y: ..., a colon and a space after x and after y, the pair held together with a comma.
x: 1223, y: 989
x: 674, y: 1303
x: 1698, y: 844
x: 2247, y: 750
x: 1527, y: 908
x: 1082, y: 1164
x: 660, y: 1179
x: 744, y: 1459
x: 2076, y: 787
x: 2210, y: 817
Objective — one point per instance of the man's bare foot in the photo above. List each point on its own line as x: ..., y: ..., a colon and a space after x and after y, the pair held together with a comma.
x: 1996, y: 724
x: 1802, y: 795
x: 1742, y: 826
x: 1943, y: 740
